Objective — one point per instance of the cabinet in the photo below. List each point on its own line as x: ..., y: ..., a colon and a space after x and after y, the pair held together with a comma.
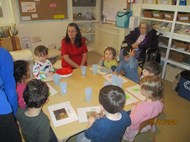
x: 86, y: 13
x: 109, y: 35
x: 173, y: 21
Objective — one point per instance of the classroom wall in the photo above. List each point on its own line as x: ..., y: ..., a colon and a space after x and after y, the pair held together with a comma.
x: 50, y: 32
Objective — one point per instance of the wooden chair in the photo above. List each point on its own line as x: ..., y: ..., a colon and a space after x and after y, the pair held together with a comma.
x: 150, y: 122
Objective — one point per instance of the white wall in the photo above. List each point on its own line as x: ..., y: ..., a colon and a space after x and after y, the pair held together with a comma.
x: 50, y: 32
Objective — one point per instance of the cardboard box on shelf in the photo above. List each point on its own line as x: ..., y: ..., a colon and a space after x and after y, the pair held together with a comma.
x: 169, y: 15
x: 158, y: 14
x: 147, y: 13
x: 183, y: 17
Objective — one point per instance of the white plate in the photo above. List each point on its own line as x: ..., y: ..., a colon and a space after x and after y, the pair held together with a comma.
x: 65, y: 76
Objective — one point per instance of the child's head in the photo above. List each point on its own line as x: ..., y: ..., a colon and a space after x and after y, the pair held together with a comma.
x: 41, y: 52
x: 112, y: 98
x: 127, y: 52
x: 151, y: 68
x: 36, y: 93
x: 109, y: 53
x: 21, y: 71
x: 152, y: 87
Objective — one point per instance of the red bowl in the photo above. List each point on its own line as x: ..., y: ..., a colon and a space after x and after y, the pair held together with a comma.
x: 64, y: 71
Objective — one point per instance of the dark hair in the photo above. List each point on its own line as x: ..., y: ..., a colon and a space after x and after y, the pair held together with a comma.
x: 35, y: 93
x: 153, y: 67
x: 112, y: 50
x: 20, y: 70
x: 153, y: 86
x: 112, y: 98
x: 78, y: 38
x: 41, y: 50
x: 126, y: 51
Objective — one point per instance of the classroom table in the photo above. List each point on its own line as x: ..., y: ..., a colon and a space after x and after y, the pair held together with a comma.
x: 76, y: 85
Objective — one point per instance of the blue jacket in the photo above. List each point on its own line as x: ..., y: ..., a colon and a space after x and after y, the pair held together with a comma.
x: 130, y: 69
x: 8, y: 96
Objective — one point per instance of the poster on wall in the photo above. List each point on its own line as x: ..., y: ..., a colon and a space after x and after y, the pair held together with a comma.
x: 26, y: 42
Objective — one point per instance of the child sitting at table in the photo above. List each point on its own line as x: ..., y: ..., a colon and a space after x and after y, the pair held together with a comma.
x: 129, y: 65
x: 35, y: 125
x: 42, y: 67
x: 21, y: 74
x: 151, y: 68
x: 109, y: 59
x: 152, y: 89
x: 111, y: 127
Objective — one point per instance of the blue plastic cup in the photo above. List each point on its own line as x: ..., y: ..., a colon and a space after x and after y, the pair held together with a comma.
x: 83, y: 70
x: 106, y: 83
x: 56, y: 79
x: 114, y: 79
x: 94, y: 68
x: 120, y: 82
x: 63, y: 87
x: 88, y: 93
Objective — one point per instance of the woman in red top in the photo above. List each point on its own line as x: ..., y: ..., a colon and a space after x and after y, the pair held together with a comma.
x: 73, y: 50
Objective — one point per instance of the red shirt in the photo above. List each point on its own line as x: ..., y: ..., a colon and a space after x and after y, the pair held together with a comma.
x: 74, y: 53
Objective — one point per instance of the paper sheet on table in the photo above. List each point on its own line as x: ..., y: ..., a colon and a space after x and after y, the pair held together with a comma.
x: 48, y: 79
x: 52, y: 91
x: 85, y: 112
x: 100, y: 70
x: 130, y: 99
x: 62, y: 113
x: 135, y: 91
x: 109, y: 78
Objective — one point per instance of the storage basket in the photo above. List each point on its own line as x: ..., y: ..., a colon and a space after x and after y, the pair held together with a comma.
x: 169, y: 15
x: 171, y: 72
x: 183, y: 17
x: 178, y: 57
x: 158, y: 14
x: 180, y: 45
x: 149, y: 1
x: 147, y: 13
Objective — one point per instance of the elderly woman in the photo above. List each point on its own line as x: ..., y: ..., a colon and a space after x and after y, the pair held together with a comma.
x: 141, y: 39
x: 73, y: 50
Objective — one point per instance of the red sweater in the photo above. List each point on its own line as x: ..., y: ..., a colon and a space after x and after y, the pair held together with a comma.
x: 74, y: 52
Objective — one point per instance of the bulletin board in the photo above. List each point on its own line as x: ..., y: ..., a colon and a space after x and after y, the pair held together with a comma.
x: 33, y: 10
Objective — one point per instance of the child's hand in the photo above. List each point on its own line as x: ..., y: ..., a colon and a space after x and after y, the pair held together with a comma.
x: 91, y: 120
x: 132, y: 53
x: 102, y: 59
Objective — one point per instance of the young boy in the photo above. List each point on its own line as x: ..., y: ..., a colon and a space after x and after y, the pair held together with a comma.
x: 151, y: 68
x: 129, y: 65
x: 42, y: 67
x: 111, y: 127
x: 34, y: 123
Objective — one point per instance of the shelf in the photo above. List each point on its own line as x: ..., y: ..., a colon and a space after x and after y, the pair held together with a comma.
x: 183, y: 8
x: 85, y: 21
x: 181, y: 51
x: 159, y: 7
x: 182, y: 23
x: 159, y: 20
x: 162, y: 45
x: 181, y: 37
x: 165, y: 34
x: 182, y: 65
